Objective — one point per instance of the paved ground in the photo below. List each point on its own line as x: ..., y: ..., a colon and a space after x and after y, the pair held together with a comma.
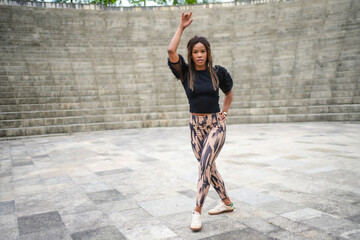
x: 287, y: 181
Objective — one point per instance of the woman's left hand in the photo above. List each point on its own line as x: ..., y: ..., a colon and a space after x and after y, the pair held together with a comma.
x: 222, y: 116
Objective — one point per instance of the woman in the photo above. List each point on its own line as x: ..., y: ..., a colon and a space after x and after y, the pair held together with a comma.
x: 201, y: 82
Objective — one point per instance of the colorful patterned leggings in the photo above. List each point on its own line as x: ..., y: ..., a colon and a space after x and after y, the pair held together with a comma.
x: 207, y: 139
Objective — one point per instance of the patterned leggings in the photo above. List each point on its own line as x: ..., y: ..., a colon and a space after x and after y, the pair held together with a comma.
x: 207, y: 139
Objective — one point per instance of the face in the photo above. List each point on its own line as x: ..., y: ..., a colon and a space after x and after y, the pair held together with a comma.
x: 199, y: 56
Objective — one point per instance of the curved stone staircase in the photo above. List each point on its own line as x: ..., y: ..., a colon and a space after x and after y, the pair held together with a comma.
x: 71, y: 70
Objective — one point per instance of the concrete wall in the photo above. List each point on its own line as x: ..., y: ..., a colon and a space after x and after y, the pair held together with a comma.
x: 68, y: 70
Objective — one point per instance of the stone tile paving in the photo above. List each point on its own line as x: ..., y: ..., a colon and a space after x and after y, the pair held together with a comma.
x: 287, y: 181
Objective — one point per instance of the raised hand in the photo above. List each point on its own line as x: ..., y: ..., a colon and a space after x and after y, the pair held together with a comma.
x: 174, y: 43
x: 185, y: 20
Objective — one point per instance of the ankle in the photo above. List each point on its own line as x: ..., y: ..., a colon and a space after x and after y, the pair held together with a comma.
x: 197, y: 209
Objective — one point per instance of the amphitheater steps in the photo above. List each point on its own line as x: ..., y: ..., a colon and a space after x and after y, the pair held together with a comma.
x: 344, y: 117
x: 71, y: 128
x: 91, y: 112
x: 79, y: 70
x: 26, y: 119
x: 14, y: 128
x: 88, y: 119
x: 70, y: 121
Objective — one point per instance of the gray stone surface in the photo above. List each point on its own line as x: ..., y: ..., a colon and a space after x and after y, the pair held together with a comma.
x: 319, y: 170
x: 189, y: 193
x: 7, y: 207
x: 82, y: 221
x: 9, y: 226
x: 280, y: 206
x: 56, y: 233
x: 167, y: 206
x: 39, y: 222
x: 109, y: 232
x: 211, y: 228
x: 291, y: 61
x: 259, y: 225
x: 301, y: 214
x: 89, y: 186
x: 251, y: 196
x: 246, y: 233
x: 352, y: 234
x: 330, y: 223
x: 286, y: 224
x: 105, y: 196
x: 115, y: 171
x: 149, y: 230
x: 355, y: 218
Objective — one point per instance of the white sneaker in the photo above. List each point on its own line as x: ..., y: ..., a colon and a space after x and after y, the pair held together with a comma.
x: 221, y: 207
x: 195, y: 221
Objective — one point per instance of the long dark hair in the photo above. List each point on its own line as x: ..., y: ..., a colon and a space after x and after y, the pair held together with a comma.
x: 192, y: 74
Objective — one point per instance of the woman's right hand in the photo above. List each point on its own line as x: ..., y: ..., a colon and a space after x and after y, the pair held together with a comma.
x: 185, y: 20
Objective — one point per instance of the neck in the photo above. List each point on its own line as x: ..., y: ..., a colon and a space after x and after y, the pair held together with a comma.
x: 197, y: 68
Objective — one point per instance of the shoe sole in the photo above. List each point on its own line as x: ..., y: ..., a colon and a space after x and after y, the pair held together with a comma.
x: 195, y: 229
x: 221, y: 212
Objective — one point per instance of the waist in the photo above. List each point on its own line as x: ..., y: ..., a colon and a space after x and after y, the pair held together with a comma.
x: 204, y: 118
x: 204, y: 106
x: 201, y: 114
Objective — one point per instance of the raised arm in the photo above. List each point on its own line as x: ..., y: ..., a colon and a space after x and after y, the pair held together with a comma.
x: 174, y: 43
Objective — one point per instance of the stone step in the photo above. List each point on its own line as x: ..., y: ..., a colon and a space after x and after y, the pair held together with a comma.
x: 155, y: 89
x: 90, y: 104
x: 81, y: 118
x: 28, y: 131
x: 56, y: 129
x: 178, y: 92
x: 78, y: 53
x: 151, y: 91
x: 91, y: 119
x: 71, y: 93
x: 140, y: 87
x: 94, y: 111
x: 86, y: 80
x: 239, y: 102
x: 78, y: 107
x: 97, y: 71
x: 346, y: 108
x: 300, y: 95
x: 83, y: 82
x: 42, y: 58
x: 344, y: 117
x: 246, y: 103
x: 96, y: 96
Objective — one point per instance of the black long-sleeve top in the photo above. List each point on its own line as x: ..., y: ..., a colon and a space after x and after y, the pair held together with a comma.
x: 203, y: 99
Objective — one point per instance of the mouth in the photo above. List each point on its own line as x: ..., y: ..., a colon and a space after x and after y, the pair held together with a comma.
x: 200, y: 61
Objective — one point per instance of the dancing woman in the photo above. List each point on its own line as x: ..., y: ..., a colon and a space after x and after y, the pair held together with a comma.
x: 201, y: 82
